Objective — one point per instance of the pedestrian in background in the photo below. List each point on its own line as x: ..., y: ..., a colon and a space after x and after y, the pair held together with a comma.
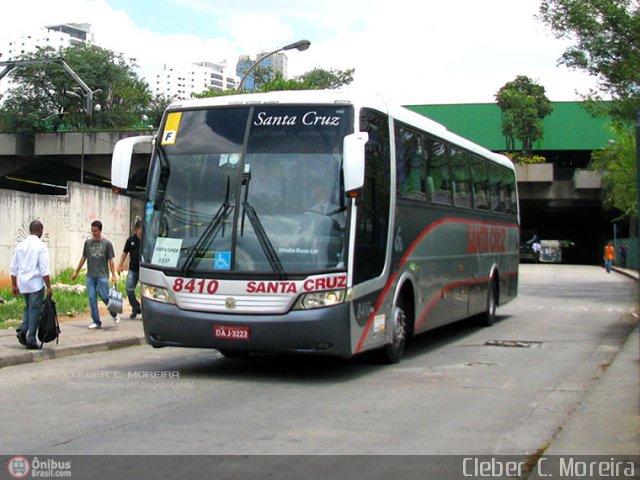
x: 99, y: 254
x: 537, y: 249
x: 609, y: 256
x: 132, y: 248
x: 622, y: 253
x: 30, y: 275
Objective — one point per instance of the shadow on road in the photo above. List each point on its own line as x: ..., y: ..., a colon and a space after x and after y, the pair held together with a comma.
x: 305, y: 368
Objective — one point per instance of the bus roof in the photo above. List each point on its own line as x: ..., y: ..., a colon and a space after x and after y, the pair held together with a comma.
x: 346, y: 96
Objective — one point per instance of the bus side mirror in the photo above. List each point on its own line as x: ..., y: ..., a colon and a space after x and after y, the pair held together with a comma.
x: 121, y: 161
x: 353, y: 160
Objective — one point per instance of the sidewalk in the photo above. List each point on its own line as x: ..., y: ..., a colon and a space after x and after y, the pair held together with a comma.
x: 628, y: 272
x: 75, y: 339
x: 607, y: 422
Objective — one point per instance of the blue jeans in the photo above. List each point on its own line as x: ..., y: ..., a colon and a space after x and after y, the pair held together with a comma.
x: 608, y: 264
x: 97, y: 286
x: 33, y: 306
x: 132, y: 280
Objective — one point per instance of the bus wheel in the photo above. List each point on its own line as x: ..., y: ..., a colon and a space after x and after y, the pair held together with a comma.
x: 234, y: 354
x: 392, y: 352
x: 488, y: 318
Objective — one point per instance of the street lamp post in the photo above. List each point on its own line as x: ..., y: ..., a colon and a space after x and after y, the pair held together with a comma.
x: 637, y: 253
x: 300, y: 45
x: 86, y: 113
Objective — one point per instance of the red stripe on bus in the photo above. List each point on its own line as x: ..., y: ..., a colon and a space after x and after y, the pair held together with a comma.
x: 442, y: 291
x: 367, y: 327
x: 452, y: 286
x: 404, y: 259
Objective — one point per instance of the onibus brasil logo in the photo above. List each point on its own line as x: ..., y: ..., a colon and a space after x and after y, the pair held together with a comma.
x: 21, y: 467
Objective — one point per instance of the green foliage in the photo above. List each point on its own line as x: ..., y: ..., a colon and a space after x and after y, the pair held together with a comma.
x: 606, y: 44
x: 47, y: 98
x: 261, y: 76
x: 318, y: 78
x: 278, y: 83
x: 69, y: 303
x: 156, y: 109
x: 520, y: 159
x: 217, y: 93
x: 523, y: 104
x: 618, y: 164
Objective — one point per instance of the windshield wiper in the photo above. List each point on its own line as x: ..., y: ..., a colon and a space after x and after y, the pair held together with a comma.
x: 214, y: 226
x: 263, y: 238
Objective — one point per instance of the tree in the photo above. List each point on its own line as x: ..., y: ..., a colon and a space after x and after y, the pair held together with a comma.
x: 316, y: 79
x: 156, y: 108
x: 279, y: 83
x: 523, y: 104
x: 319, y: 78
x: 618, y: 163
x: 46, y: 98
x: 606, y: 36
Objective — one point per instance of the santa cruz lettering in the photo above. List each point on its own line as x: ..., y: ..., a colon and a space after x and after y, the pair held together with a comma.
x: 484, y: 239
x: 324, y: 283
x: 309, y: 285
x: 308, y: 119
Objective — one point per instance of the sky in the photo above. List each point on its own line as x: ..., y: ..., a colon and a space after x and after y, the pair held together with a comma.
x: 409, y: 51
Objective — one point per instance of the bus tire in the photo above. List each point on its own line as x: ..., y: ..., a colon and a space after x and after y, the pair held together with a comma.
x: 488, y: 318
x: 234, y: 354
x: 392, y: 352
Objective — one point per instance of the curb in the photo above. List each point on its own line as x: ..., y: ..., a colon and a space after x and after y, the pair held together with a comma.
x: 626, y: 273
x: 33, y: 356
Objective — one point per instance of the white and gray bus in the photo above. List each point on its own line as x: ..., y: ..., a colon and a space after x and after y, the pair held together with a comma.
x: 324, y: 222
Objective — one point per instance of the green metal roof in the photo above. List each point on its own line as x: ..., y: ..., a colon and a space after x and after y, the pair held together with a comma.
x: 569, y: 127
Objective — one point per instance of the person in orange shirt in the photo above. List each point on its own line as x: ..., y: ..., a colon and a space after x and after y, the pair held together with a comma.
x: 609, y: 256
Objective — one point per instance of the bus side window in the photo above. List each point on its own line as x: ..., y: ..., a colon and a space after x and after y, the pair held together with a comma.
x: 438, y: 171
x: 497, y: 192
x: 508, y: 185
x: 410, y: 173
x: 480, y: 182
x: 461, y: 179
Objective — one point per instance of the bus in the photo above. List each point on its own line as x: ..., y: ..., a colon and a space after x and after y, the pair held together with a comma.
x: 323, y: 222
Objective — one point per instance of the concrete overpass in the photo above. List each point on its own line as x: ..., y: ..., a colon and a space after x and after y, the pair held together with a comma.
x: 45, y: 162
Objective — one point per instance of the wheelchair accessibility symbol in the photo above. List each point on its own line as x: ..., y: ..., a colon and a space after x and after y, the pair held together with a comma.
x: 222, y: 261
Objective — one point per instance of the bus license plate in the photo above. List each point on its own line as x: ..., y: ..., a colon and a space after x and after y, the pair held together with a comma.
x: 232, y: 332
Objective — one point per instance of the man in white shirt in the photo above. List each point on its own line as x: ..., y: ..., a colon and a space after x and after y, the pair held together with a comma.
x: 29, y: 275
x: 537, y: 249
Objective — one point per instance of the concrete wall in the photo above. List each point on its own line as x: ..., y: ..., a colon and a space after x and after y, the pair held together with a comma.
x: 67, y: 222
x: 537, y: 172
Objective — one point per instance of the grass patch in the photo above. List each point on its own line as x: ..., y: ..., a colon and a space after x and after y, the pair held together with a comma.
x: 69, y: 301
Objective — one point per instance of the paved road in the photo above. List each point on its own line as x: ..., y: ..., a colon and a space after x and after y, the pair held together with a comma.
x: 462, y: 389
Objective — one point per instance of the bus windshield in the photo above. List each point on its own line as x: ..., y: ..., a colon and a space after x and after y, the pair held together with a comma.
x: 251, y: 189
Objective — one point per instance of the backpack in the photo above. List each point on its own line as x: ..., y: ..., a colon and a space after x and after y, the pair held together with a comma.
x: 48, y: 326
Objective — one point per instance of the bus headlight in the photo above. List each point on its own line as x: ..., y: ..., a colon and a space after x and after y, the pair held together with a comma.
x: 320, y: 299
x: 157, y: 294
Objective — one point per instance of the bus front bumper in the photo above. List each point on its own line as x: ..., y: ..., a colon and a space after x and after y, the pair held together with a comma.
x: 323, y: 331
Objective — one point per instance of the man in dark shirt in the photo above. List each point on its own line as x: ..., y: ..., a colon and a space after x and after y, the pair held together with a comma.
x: 132, y: 248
